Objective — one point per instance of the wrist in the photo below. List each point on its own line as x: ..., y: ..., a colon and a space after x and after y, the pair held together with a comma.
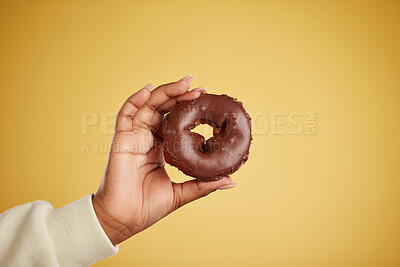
x: 115, y: 230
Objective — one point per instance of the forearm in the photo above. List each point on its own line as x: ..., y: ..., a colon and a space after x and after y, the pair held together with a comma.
x: 34, y: 234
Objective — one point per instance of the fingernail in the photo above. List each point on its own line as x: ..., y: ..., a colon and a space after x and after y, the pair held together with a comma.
x: 148, y: 86
x: 187, y: 78
x: 228, y: 186
x: 200, y: 89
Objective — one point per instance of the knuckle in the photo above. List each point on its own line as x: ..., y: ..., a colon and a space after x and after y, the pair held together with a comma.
x: 151, y: 106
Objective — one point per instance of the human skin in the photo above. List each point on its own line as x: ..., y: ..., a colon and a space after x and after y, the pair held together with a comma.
x: 136, y: 191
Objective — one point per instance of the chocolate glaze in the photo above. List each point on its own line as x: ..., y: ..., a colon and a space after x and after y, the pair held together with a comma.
x: 211, y: 159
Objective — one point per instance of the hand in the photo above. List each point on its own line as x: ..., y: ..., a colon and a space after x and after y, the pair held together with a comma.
x: 136, y: 191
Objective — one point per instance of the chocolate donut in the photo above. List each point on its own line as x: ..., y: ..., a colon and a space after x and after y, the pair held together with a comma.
x: 220, y: 155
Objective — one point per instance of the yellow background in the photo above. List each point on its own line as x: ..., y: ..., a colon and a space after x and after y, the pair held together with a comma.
x: 329, y: 199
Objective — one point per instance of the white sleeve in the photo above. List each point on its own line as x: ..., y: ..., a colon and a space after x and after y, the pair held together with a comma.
x: 35, y: 234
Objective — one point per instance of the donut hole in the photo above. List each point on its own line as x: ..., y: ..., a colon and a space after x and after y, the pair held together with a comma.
x: 204, y: 130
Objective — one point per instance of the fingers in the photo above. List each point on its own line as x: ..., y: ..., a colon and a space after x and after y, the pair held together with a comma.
x: 145, y: 110
x: 167, y: 106
x: 194, y: 189
x: 191, y: 95
x: 130, y: 107
x: 159, y: 96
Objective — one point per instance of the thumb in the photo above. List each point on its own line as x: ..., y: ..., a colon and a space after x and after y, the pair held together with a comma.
x: 191, y: 190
